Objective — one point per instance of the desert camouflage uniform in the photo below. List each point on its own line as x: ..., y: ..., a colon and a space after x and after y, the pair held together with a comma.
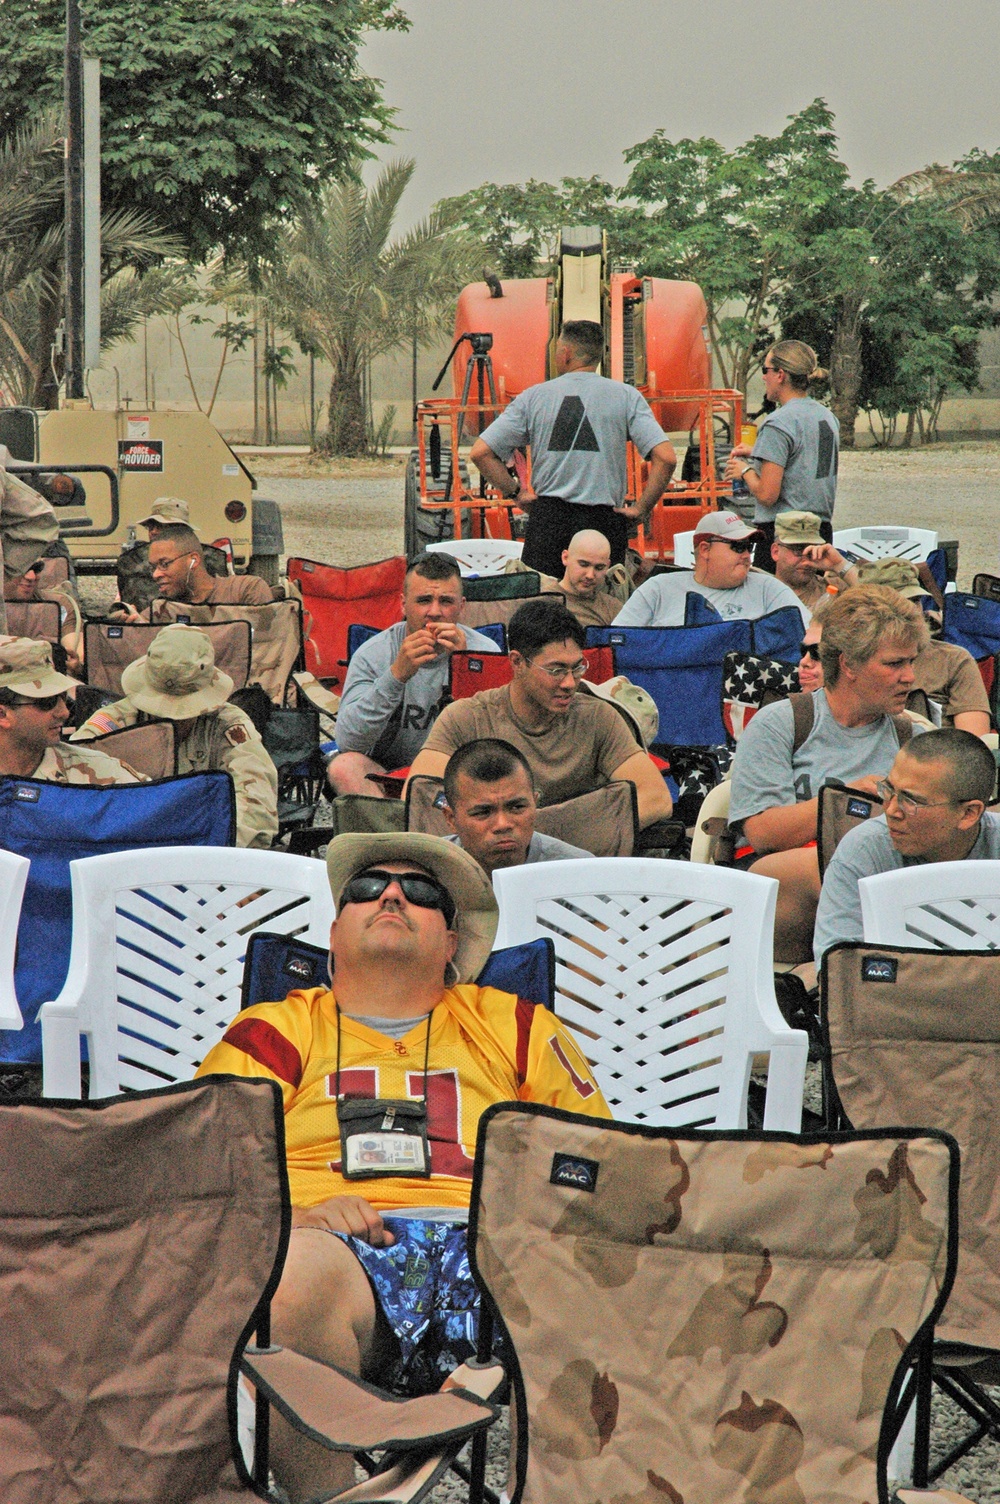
x: 66, y: 764
x: 225, y: 741
x: 27, y: 526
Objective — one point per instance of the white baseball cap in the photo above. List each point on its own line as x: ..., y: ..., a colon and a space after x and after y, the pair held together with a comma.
x: 724, y: 525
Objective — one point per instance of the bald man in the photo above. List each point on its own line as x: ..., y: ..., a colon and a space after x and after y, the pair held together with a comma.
x: 585, y: 563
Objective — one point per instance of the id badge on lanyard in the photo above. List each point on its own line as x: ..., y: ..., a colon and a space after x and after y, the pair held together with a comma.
x: 383, y: 1136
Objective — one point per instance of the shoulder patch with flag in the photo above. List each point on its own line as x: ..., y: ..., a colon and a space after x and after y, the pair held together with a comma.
x: 103, y: 723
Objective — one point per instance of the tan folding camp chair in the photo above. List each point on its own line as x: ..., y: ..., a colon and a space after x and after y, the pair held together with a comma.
x: 604, y: 822
x: 913, y: 1036
x: 149, y: 749
x: 141, y: 1241
x: 482, y: 613
x: 110, y: 646
x: 275, y: 638
x: 700, y: 1318
x: 840, y: 810
x: 37, y: 619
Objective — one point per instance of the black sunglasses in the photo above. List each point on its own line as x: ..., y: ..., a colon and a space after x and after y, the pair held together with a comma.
x: 744, y: 546
x: 47, y: 702
x: 809, y: 650
x: 425, y: 892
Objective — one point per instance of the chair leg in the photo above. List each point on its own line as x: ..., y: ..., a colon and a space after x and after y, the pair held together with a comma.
x: 262, y: 1409
x: 922, y: 1439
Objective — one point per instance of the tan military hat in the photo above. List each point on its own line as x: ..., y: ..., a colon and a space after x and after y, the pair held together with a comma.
x: 169, y: 509
x: 476, y: 912
x: 895, y: 574
x: 797, y: 527
x: 178, y: 677
x: 26, y: 668
x: 635, y: 704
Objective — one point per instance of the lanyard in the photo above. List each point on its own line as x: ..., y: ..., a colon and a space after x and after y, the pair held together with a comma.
x: 427, y: 1050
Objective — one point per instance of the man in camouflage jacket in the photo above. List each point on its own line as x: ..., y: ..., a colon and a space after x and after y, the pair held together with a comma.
x: 178, y: 681
x: 33, y: 712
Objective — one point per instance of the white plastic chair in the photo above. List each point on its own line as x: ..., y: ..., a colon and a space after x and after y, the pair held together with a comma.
x: 684, y: 550
x: 914, y: 543
x: 939, y: 906
x: 479, y: 555
x: 714, y: 806
x: 156, y: 957
x: 663, y: 969
x: 13, y: 876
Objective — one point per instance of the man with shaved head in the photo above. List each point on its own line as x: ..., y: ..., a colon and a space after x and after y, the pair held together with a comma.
x: 586, y: 562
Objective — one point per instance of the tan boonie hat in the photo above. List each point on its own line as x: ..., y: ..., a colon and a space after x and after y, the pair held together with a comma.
x: 476, y: 912
x: 895, y: 574
x: 169, y: 509
x: 724, y: 525
x: 636, y: 705
x: 797, y: 527
x: 26, y: 668
x: 178, y: 677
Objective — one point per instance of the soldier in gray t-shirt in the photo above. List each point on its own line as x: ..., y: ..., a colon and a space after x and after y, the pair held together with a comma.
x: 397, y: 682
x: 803, y: 437
x: 935, y: 811
x: 577, y: 427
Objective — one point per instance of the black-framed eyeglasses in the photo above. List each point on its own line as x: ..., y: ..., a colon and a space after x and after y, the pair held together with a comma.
x: 770, y: 370
x: 809, y: 650
x: 426, y: 892
x: 43, y: 703
x: 906, y: 801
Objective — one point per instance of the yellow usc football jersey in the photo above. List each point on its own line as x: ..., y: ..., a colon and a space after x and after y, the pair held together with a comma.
x: 484, y: 1046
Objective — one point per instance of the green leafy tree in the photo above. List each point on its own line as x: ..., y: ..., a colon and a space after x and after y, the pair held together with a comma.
x: 343, y: 288
x: 517, y: 223
x: 219, y: 117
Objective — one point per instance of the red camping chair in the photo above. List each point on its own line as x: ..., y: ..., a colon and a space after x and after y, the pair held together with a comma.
x: 334, y: 598
x: 471, y: 672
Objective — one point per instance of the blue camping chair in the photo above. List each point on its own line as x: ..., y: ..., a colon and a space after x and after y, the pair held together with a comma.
x: 972, y: 622
x: 776, y: 635
x: 681, y: 667
x: 358, y: 635
x: 276, y: 965
x: 52, y: 824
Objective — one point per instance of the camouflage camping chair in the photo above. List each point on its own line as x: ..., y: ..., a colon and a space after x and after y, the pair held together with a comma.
x: 672, y: 1298
x: 604, y: 822
x: 110, y: 646
x: 913, y: 1036
x: 122, y: 1387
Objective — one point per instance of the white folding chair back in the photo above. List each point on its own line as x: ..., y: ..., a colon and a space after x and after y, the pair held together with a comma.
x: 663, y: 969
x: 914, y: 543
x: 479, y: 555
x: 939, y: 906
x: 156, y: 957
x: 684, y: 550
x: 714, y: 806
x: 13, y: 876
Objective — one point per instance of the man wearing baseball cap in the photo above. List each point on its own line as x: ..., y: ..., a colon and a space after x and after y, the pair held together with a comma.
x: 385, y: 1075
x: 805, y: 561
x: 33, y: 712
x: 723, y: 546
x: 946, y: 673
x: 178, y: 681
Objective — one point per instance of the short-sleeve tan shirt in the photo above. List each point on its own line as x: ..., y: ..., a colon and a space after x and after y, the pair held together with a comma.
x: 576, y: 754
x: 950, y: 675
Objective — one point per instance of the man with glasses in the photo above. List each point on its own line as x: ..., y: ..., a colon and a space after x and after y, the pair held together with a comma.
x: 385, y: 1075
x: 723, y: 547
x: 33, y: 711
x: 804, y: 560
x: 177, y: 564
x: 935, y: 800
x: 572, y: 741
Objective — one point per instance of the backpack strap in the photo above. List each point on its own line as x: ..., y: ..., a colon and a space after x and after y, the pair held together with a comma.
x: 904, y: 728
x: 802, y: 716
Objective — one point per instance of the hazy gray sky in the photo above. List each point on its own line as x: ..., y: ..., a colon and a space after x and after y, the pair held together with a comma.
x: 504, y: 90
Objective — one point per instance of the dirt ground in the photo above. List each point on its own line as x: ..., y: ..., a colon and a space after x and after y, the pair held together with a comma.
x: 351, y: 512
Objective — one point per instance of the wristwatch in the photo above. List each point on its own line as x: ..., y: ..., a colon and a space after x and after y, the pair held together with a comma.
x: 744, y: 470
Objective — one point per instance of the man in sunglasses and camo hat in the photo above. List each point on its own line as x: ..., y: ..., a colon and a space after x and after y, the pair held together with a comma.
x: 178, y: 681
x: 33, y: 711
x: 385, y: 1075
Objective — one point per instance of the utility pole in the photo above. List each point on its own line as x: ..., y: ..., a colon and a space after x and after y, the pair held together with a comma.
x: 73, y: 344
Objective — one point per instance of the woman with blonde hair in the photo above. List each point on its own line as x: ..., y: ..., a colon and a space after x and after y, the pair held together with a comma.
x: 793, y: 465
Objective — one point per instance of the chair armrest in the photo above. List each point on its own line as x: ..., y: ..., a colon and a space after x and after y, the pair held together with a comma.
x: 344, y: 1414
x: 60, y: 1050
x: 786, y: 1074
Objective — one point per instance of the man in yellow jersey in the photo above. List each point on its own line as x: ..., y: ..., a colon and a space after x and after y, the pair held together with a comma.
x: 384, y: 1078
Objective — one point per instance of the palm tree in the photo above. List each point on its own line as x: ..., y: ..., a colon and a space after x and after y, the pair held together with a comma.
x: 971, y: 192
x: 349, y: 293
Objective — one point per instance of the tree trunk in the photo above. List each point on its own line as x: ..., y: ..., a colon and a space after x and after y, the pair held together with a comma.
x: 347, y: 412
x: 46, y: 387
x: 911, y: 418
x: 845, y: 367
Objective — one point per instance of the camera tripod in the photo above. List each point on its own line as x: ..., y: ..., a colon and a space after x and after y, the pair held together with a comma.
x: 480, y: 362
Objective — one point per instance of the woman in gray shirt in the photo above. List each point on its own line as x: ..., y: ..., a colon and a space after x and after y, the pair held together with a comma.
x: 793, y: 465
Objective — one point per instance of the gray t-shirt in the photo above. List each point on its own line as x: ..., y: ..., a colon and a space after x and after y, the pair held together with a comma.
x: 865, y: 851
x: 659, y: 602
x: 767, y: 775
x: 577, y: 426
x: 543, y: 848
x: 803, y: 437
x: 386, y: 720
